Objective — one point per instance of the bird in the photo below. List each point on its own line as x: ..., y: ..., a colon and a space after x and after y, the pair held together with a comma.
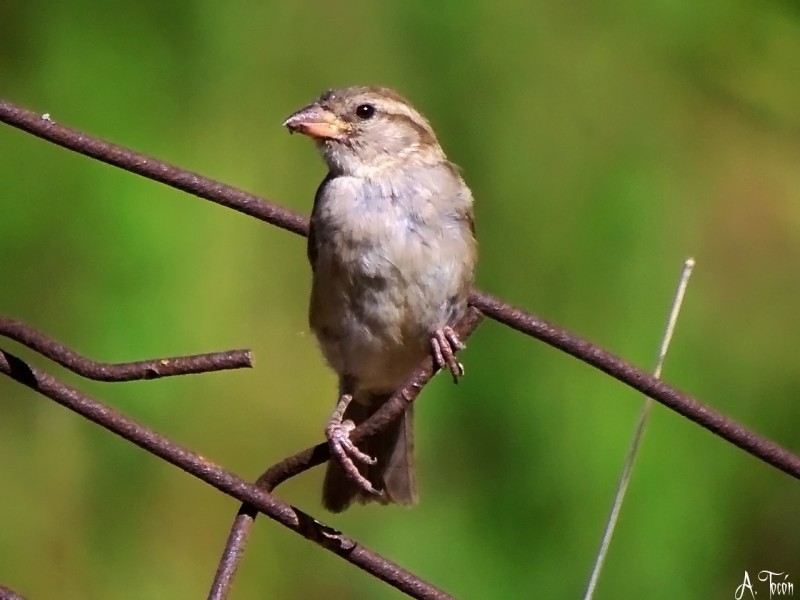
x: 393, y: 252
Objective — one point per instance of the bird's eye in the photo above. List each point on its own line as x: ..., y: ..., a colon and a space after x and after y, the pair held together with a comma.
x: 365, y: 111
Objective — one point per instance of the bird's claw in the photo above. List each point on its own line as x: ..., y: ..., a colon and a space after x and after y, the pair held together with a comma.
x: 444, y: 345
x: 344, y: 451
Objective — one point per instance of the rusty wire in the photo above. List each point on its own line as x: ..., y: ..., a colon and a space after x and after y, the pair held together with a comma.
x: 131, y: 371
x: 258, y: 497
x: 225, y: 481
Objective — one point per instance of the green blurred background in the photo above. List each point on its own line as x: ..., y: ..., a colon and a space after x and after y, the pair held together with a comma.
x: 604, y: 143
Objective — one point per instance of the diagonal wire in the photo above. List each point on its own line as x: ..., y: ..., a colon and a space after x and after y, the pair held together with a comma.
x: 726, y: 428
x: 194, y: 184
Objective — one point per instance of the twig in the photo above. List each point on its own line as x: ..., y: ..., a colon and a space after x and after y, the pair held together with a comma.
x: 647, y: 405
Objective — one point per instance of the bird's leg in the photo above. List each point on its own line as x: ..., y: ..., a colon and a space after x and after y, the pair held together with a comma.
x: 444, y: 345
x: 344, y: 451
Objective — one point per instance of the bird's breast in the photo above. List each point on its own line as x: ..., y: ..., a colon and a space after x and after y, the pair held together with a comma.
x: 388, y: 271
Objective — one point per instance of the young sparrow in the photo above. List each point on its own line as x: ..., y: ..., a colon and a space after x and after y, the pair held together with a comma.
x: 392, y: 251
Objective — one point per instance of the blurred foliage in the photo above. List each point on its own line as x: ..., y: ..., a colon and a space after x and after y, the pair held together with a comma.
x: 604, y: 142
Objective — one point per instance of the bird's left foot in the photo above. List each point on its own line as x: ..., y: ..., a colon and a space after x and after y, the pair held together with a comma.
x: 344, y: 451
x: 444, y: 345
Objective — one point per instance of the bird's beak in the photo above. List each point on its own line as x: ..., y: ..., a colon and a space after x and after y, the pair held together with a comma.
x: 318, y: 123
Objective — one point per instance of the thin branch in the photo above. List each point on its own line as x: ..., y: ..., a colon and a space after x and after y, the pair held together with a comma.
x: 647, y: 405
x: 316, y: 455
x: 216, y: 476
x: 144, y: 369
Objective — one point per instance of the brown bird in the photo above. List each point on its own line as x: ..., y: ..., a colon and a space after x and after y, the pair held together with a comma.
x: 392, y: 252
